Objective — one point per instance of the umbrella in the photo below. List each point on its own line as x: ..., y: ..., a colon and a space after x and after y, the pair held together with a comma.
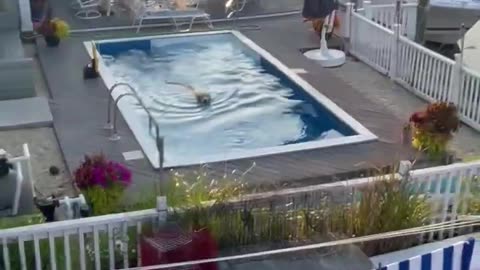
x: 471, y: 47
x: 316, y: 9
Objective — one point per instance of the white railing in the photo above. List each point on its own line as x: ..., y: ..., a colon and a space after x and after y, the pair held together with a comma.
x: 112, y: 241
x: 385, y: 16
x: 89, y: 243
x: 426, y: 73
x: 422, y: 71
x: 469, y: 97
x: 446, y: 187
x: 373, y: 48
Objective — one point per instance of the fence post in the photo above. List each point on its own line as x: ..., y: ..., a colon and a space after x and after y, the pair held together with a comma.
x: 394, y: 51
x: 411, y: 23
x: 367, y: 9
x: 162, y: 208
x: 455, y: 80
x: 348, y: 20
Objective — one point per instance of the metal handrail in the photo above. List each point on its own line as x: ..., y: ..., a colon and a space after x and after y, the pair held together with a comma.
x: 112, y: 123
x: 232, y: 8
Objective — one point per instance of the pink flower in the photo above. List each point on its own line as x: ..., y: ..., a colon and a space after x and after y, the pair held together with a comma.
x: 98, y: 171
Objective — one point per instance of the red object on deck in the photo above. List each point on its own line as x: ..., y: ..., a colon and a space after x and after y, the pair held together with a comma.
x: 173, y: 247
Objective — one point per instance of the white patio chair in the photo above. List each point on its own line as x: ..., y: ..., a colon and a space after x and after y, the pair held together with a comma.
x: 190, y: 12
x: 87, y: 9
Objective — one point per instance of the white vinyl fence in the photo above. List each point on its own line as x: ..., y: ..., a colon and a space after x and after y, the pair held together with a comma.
x: 427, y: 74
x: 104, y: 242
x: 423, y: 71
x: 469, y: 96
x: 385, y: 16
x: 111, y: 241
x: 373, y: 48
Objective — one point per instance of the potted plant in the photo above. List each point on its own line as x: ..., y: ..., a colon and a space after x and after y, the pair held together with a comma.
x: 102, y: 182
x: 5, y: 165
x: 54, y: 30
x: 433, y: 128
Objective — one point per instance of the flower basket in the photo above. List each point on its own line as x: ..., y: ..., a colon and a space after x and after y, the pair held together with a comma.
x: 103, y: 183
x: 54, y: 31
x: 433, y: 128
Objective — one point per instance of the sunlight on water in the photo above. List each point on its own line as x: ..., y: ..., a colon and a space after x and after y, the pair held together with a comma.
x: 250, y: 108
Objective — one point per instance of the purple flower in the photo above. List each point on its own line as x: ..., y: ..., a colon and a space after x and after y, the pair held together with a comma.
x: 98, y: 171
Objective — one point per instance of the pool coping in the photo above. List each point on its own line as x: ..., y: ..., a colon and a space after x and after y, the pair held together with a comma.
x: 363, y: 134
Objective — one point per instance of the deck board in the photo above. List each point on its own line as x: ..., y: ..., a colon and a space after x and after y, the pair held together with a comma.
x: 80, y: 112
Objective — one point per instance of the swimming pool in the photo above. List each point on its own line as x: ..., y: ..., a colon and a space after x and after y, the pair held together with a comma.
x: 259, y: 106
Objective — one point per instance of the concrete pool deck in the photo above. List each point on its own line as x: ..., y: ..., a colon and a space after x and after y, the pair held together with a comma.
x: 80, y: 113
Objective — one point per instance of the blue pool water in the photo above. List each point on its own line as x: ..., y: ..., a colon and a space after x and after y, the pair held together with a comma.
x: 254, y: 105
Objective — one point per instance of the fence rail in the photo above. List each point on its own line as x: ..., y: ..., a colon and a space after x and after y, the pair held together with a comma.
x: 77, y: 244
x: 469, y: 97
x: 112, y: 241
x: 424, y: 72
x: 373, y: 48
x: 385, y: 15
x: 429, y: 75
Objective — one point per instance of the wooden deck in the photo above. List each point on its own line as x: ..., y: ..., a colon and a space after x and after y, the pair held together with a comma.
x: 79, y: 110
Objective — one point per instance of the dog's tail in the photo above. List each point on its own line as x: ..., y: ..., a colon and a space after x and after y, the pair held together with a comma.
x: 187, y: 86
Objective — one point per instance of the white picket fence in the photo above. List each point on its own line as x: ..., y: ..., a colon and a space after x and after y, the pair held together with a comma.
x: 427, y: 74
x: 385, y: 16
x: 88, y: 243
x: 106, y: 242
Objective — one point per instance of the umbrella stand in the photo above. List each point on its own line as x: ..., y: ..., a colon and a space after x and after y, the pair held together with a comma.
x: 325, y: 56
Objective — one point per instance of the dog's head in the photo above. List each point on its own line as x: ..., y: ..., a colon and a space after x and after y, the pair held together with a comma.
x: 204, y: 99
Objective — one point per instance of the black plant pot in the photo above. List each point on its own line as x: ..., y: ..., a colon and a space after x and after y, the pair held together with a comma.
x: 52, y: 41
x: 47, y: 208
x: 90, y: 71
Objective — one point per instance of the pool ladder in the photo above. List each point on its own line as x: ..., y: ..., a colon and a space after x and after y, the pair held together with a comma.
x: 232, y: 8
x: 112, y: 121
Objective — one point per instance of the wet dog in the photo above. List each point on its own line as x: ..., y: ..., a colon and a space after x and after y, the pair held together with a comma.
x: 203, y: 98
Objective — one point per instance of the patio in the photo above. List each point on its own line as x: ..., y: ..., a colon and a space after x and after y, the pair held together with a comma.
x: 79, y: 101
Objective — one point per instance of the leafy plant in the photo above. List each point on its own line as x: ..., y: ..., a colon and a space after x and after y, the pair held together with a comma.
x: 386, y: 204
x: 102, y: 182
x: 55, y: 28
x: 434, y: 128
x: 470, y: 205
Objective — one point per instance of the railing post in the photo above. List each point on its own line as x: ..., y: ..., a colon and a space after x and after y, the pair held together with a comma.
x: 162, y: 208
x: 411, y: 21
x: 367, y: 9
x: 455, y: 80
x: 359, y: 4
x: 394, y: 51
x: 348, y: 20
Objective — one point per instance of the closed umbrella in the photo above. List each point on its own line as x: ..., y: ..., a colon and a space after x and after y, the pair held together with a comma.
x: 317, y: 9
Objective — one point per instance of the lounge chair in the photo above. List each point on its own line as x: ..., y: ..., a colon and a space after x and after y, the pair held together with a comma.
x: 190, y: 12
x: 87, y: 9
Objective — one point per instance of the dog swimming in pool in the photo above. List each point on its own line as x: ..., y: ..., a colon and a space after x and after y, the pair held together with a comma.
x: 203, y: 98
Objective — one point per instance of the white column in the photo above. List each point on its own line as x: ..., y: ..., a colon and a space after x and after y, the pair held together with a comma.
x: 455, y: 80
x: 394, y: 51
x: 162, y: 208
x: 411, y: 21
x: 347, y: 20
